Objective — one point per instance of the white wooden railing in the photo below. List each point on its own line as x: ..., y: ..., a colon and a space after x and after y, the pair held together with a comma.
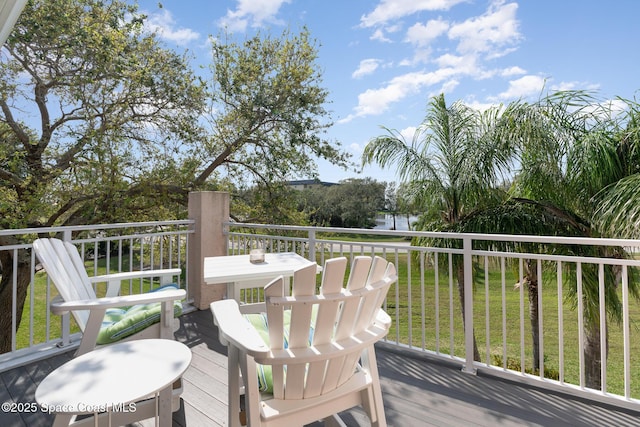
x: 106, y: 248
x: 424, y: 304
x: 426, y: 307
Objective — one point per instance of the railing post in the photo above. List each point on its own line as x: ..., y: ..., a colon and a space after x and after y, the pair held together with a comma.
x: 467, y: 245
x: 312, y: 245
x: 209, y: 210
x: 65, y: 319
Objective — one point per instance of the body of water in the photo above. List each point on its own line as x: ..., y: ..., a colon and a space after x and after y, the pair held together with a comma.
x: 385, y: 222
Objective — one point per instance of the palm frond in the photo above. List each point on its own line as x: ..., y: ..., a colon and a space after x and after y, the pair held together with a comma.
x: 617, y: 212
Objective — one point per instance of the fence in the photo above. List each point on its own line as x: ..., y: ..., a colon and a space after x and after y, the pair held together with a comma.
x: 532, y: 305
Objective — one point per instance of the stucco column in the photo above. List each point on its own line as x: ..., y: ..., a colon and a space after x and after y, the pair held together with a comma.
x: 209, y: 209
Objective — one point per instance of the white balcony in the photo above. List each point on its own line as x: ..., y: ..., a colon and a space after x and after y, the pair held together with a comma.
x: 429, y: 375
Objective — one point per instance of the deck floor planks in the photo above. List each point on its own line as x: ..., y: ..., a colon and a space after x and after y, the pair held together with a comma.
x: 417, y: 391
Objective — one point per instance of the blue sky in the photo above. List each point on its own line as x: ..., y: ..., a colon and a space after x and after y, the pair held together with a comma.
x: 382, y: 60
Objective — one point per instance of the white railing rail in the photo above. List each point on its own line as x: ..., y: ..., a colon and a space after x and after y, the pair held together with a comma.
x: 106, y: 248
x: 426, y: 309
x: 425, y: 302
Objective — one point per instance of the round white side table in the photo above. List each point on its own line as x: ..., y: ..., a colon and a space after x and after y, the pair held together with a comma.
x: 112, y: 379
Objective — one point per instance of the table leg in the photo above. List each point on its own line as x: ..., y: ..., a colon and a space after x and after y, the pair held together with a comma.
x: 231, y: 294
x: 62, y: 420
x: 164, y: 407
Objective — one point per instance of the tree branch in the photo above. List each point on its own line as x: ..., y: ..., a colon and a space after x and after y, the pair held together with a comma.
x: 15, y: 127
x: 10, y: 177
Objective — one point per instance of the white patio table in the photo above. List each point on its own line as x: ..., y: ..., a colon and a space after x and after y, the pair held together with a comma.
x: 112, y: 379
x: 239, y: 273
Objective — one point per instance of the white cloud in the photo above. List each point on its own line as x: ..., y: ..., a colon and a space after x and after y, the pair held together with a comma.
x: 574, y: 86
x: 367, y: 66
x: 388, y: 10
x: 379, y: 35
x: 163, y: 24
x: 512, y: 71
x: 251, y: 12
x: 617, y: 105
x: 377, y: 101
x: 479, y: 106
x: 449, y: 60
x: 356, y: 149
x: 408, y: 133
x: 449, y: 86
x: 523, y: 87
x: 423, y: 35
x: 464, y: 52
x: 606, y: 109
x: 564, y: 86
x: 463, y: 65
x: 495, y: 30
x: 500, y: 53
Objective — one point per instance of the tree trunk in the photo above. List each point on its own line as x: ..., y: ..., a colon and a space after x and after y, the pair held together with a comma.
x: 531, y: 281
x: 592, y: 359
x: 6, y: 293
x: 460, y: 269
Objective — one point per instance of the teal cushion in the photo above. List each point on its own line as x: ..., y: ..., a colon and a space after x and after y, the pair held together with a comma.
x: 119, y: 323
x: 261, y: 325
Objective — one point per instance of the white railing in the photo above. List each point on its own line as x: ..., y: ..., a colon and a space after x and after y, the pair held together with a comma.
x: 424, y: 304
x: 426, y: 308
x: 105, y: 248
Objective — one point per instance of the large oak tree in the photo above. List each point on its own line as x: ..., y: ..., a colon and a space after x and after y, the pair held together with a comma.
x: 100, y: 122
x: 90, y: 109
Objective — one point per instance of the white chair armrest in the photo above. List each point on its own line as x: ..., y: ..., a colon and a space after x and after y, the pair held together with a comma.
x: 383, y: 319
x: 233, y: 328
x: 62, y: 307
x: 113, y: 280
x: 136, y: 274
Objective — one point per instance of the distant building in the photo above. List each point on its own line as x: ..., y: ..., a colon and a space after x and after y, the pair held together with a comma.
x: 304, y: 184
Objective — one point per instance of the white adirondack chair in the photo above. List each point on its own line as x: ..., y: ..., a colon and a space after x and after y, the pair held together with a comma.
x: 328, y: 364
x: 64, y: 266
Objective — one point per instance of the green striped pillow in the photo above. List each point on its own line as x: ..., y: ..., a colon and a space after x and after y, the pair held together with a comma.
x: 119, y: 323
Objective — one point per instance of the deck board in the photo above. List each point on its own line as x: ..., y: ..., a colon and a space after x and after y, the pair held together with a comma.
x: 416, y: 390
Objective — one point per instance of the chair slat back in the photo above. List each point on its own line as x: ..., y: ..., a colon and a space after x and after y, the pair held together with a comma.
x: 362, y: 313
x: 373, y: 301
x: 378, y: 269
x: 64, y: 266
x: 359, y: 272
x: 332, y: 282
x: 304, y: 285
x: 275, y: 319
x: 322, y: 321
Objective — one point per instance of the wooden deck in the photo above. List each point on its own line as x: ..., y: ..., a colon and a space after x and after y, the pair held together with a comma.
x: 417, y: 392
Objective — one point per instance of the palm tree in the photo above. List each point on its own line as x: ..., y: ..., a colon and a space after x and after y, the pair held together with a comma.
x: 524, y: 217
x: 576, y: 158
x: 617, y: 202
x: 451, y: 166
x: 579, y: 174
